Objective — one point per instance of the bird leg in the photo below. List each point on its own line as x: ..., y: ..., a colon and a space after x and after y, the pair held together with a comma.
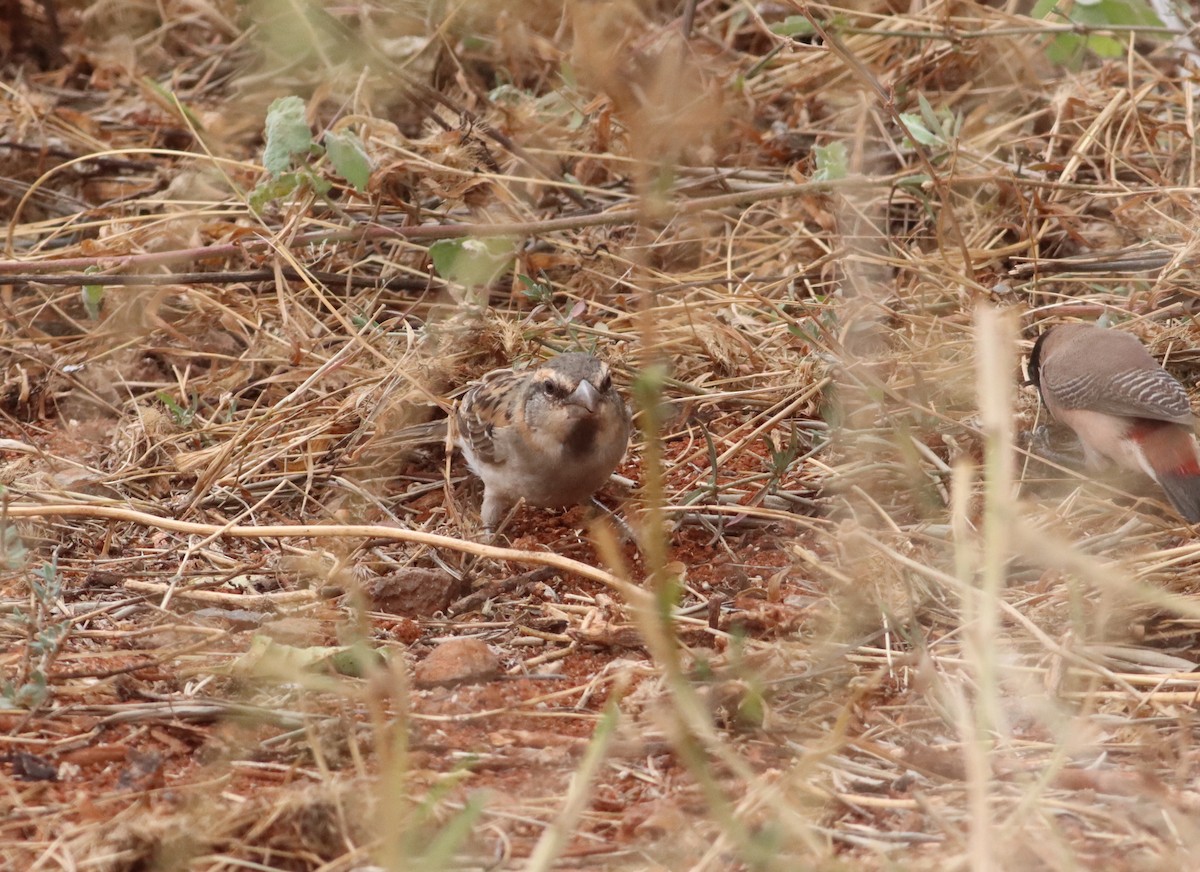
x: 496, y: 515
x: 1040, y: 445
x: 622, y: 527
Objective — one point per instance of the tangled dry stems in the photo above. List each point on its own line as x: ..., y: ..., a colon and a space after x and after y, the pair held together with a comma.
x: 831, y: 699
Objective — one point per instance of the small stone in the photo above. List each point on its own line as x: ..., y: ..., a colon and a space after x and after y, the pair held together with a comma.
x: 458, y: 661
x: 414, y: 593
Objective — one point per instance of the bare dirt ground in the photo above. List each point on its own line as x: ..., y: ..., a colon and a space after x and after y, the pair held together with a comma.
x: 856, y: 626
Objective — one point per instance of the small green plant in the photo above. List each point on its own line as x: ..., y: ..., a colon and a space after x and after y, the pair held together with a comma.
x: 13, y: 552
x: 831, y: 162
x: 539, y: 292
x: 291, y: 156
x: 932, y: 128
x: 542, y: 293
x: 44, y: 633
x: 471, y: 262
x: 781, y: 459
x: 183, y: 415
x: 1069, y: 48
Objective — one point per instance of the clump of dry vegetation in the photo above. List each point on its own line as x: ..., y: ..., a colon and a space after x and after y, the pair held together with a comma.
x: 857, y: 625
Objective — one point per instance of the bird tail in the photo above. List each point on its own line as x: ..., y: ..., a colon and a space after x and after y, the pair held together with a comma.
x: 1170, y: 454
x: 421, y: 434
x: 1183, y: 490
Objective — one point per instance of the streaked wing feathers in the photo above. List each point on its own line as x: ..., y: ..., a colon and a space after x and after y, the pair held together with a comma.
x: 1140, y: 392
x: 490, y: 404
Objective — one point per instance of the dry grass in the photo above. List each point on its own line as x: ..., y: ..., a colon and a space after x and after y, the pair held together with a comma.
x: 861, y: 627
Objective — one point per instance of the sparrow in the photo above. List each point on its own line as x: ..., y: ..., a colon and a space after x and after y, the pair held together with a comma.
x: 1123, y: 406
x: 550, y: 435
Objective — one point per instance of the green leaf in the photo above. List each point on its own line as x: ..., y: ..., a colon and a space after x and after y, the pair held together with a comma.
x: 539, y: 292
x: 349, y: 158
x: 318, y: 184
x: 33, y: 692
x: 831, y: 162
x: 793, y: 25
x: 916, y: 128
x: 49, y: 588
x: 93, y: 296
x: 916, y: 181
x: 183, y: 417
x: 287, y: 134
x: 805, y: 330
x: 1066, y: 48
x: 1130, y: 12
x: 273, y: 189
x: 932, y: 122
x: 471, y: 262
x: 1105, y: 46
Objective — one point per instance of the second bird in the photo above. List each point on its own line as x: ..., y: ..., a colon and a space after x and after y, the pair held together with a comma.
x: 1123, y: 406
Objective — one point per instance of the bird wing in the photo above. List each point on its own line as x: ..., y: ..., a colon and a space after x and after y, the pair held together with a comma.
x: 1139, y: 392
x: 490, y: 405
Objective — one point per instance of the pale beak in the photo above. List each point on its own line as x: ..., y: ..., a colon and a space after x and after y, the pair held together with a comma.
x: 585, y: 395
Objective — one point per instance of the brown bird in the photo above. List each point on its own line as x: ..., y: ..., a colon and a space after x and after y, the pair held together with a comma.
x: 550, y: 435
x: 1123, y: 406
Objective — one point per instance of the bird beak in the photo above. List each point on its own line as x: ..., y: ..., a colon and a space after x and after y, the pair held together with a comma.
x: 585, y: 395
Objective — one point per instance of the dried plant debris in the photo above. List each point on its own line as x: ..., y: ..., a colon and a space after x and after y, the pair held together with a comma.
x: 841, y: 607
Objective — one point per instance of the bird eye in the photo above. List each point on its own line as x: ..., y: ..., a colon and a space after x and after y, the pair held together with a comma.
x: 550, y: 387
x: 605, y: 384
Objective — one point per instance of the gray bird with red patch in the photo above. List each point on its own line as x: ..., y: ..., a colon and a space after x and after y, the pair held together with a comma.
x: 1123, y: 406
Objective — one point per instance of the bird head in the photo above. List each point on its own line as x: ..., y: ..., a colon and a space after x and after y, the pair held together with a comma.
x: 571, y: 384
